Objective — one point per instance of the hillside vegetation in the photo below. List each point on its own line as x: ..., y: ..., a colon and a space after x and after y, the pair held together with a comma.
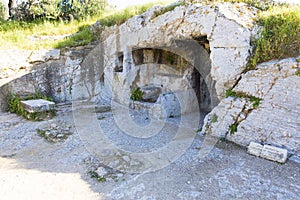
x: 33, y: 34
x: 280, y: 36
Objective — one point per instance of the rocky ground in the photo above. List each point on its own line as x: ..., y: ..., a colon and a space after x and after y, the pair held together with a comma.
x: 32, y: 167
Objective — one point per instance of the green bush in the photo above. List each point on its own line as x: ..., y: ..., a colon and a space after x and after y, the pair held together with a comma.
x: 136, y: 94
x: 14, y: 106
x: 297, y: 73
x: 58, y: 9
x: 36, y: 9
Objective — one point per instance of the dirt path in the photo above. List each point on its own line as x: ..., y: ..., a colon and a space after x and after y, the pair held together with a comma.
x: 32, y: 168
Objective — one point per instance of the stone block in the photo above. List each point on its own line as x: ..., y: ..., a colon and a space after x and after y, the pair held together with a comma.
x: 268, y: 152
x: 150, y: 93
x: 255, y: 148
x: 274, y: 153
x: 37, y: 105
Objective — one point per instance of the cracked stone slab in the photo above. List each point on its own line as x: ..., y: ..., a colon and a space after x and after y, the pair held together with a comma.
x: 276, y: 120
x: 37, y: 105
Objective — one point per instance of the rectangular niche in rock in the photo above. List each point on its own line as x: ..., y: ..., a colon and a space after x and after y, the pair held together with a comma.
x: 119, y: 64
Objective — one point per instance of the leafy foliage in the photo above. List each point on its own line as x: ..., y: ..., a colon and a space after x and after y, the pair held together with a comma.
x: 123, y: 15
x: 136, y: 94
x: 280, y: 36
x: 297, y: 73
x: 233, y: 128
x: 16, y: 34
x: 254, y: 100
x: 14, y: 106
x: 58, y: 9
x: 97, y: 177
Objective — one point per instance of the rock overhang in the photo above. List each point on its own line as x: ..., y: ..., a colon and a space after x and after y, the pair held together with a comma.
x: 228, y: 28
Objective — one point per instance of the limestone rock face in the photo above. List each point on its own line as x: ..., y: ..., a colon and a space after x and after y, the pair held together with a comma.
x: 276, y: 121
x: 152, y: 48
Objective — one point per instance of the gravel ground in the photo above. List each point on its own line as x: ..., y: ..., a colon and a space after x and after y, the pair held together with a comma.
x: 33, y: 168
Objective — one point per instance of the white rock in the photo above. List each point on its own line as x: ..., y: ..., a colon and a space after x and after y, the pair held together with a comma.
x: 255, y: 148
x: 101, y: 171
x: 274, y: 153
x: 37, y: 105
x: 259, y: 82
x: 126, y: 159
x: 53, y: 126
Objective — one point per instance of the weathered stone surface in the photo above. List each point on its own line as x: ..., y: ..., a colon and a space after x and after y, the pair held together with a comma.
x: 260, y: 81
x: 150, y: 93
x: 227, y: 113
x: 228, y: 37
x: 224, y: 32
x: 167, y: 105
x: 37, y: 105
x: 240, y: 37
x: 276, y: 120
x: 101, y: 171
x: 44, y: 55
x: 244, y: 14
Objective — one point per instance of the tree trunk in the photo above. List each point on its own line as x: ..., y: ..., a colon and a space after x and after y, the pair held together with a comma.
x: 11, y: 4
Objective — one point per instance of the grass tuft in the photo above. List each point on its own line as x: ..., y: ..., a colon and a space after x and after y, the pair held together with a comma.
x: 254, y: 100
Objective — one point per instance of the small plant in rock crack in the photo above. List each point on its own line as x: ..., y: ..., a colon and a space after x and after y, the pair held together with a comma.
x: 214, y: 118
x: 233, y: 128
x: 97, y: 177
x: 297, y: 73
x: 199, y: 130
x: 254, y: 100
x: 136, y: 94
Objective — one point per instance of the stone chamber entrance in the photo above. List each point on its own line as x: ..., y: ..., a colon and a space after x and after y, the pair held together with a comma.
x: 175, y: 79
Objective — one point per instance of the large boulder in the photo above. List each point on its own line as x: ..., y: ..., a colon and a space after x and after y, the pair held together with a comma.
x: 150, y: 93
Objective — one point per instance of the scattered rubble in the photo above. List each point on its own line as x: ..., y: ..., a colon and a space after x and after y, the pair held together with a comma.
x: 100, y: 172
x: 55, y: 133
